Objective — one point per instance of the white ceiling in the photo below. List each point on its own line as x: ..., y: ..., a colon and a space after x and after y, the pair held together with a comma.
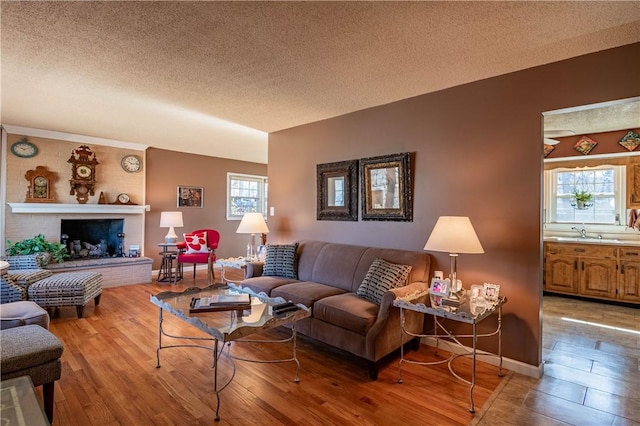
x: 214, y: 77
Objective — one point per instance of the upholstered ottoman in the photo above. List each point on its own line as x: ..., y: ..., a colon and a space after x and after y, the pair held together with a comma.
x: 17, y: 314
x: 67, y: 289
x: 35, y: 352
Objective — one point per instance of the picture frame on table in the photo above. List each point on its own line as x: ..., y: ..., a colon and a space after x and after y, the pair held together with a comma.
x: 439, y: 287
x: 190, y: 196
x: 491, y: 292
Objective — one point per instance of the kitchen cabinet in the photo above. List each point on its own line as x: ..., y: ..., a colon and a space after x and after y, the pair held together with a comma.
x: 629, y: 280
x: 633, y: 183
x: 582, y: 269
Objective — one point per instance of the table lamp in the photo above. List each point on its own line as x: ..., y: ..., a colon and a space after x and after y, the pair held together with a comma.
x: 171, y: 220
x: 454, y: 235
x: 252, y: 223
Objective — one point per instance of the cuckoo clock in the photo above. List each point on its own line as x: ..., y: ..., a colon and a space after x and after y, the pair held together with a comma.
x: 41, y: 185
x: 83, y: 173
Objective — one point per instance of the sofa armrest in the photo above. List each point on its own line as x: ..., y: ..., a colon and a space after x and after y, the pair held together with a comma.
x: 253, y: 269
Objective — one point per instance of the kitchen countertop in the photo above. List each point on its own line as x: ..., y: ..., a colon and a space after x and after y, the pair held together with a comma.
x: 588, y: 240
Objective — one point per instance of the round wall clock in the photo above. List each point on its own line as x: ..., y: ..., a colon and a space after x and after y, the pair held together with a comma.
x: 83, y: 171
x: 131, y: 163
x: 24, y: 149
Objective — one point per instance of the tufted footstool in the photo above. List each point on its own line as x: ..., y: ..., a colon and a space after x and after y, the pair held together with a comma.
x: 35, y: 352
x: 67, y: 289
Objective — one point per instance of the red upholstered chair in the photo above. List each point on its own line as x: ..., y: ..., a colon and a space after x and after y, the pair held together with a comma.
x: 206, y: 254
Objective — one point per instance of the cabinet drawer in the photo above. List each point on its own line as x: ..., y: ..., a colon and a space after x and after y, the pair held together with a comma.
x: 630, y: 253
x: 583, y: 250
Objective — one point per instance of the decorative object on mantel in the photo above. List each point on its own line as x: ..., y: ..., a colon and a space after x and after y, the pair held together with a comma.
x: 41, y: 185
x: 24, y: 149
x: 547, y: 149
x: 585, y: 145
x: 102, y: 199
x: 630, y: 141
x: 83, y: 173
x: 124, y: 199
x: 582, y: 200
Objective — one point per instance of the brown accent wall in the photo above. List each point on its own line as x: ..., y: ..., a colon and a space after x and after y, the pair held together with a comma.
x: 478, y: 153
x: 166, y: 170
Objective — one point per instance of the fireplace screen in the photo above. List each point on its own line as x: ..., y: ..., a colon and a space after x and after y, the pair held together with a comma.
x: 91, y: 238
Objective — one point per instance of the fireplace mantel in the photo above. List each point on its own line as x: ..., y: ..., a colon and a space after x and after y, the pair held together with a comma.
x: 52, y: 208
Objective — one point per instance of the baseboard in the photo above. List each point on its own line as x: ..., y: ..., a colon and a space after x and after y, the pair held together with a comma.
x: 507, y: 363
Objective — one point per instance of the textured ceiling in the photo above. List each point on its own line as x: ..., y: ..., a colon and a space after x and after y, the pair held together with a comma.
x: 214, y: 77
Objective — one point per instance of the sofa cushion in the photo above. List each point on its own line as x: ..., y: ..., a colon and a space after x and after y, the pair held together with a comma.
x: 381, y: 277
x: 281, y: 261
x: 264, y: 284
x: 347, y: 311
x: 305, y: 292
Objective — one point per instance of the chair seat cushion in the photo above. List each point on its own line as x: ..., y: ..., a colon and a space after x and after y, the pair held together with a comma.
x: 22, y: 313
x: 28, y: 346
x: 26, y: 277
x: 347, y: 311
x: 193, y: 258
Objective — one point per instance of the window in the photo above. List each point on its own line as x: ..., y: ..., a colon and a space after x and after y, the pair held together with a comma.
x: 605, y: 183
x: 245, y: 193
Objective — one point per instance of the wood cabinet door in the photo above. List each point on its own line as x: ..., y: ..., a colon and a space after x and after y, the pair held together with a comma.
x: 561, y: 273
x: 598, y: 277
x: 633, y: 184
x: 629, y: 283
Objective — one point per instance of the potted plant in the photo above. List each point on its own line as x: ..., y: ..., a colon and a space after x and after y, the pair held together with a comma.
x: 582, y: 199
x: 38, y: 245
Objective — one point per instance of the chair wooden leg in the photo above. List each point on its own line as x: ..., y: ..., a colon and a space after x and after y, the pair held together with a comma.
x: 194, y: 271
x: 96, y: 299
x: 47, y: 396
x: 80, y: 310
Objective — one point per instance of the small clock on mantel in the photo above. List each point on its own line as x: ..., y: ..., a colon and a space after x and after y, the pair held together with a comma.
x: 41, y: 185
x: 83, y: 173
x: 123, y: 199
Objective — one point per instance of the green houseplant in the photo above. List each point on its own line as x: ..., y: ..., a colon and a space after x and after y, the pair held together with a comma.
x: 582, y: 199
x: 38, y: 245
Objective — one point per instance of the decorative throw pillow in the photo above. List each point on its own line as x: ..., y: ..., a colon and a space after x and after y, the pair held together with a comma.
x: 196, y: 243
x: 281, y: 261
x: 382, y: 276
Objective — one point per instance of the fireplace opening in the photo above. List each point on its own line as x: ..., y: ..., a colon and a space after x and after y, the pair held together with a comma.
x: 91, y: 238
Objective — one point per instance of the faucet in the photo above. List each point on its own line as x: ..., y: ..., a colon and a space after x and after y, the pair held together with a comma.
x: 582, y: 232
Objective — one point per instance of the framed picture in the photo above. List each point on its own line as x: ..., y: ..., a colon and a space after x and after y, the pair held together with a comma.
x: 490, y: 291
x: 337, y: 191
x: 386, y: 188
x: 190, y: 196
x: 439, y: 287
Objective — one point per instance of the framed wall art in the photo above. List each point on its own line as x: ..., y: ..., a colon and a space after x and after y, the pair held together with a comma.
x: 190, y: 196
x: 386, y: 187
x: 337, y: 191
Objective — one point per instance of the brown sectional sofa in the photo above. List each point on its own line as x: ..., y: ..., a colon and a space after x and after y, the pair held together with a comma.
x: 329, y: 275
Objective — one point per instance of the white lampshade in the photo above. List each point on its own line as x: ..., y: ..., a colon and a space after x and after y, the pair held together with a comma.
x: 171, y: 220
x: 252, y: 223
x: 454, y: 234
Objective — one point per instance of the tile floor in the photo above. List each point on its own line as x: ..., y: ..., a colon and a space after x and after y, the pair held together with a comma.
x: 591, y: 354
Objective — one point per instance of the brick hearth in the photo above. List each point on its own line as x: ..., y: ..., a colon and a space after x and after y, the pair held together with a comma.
x: 116, y: 271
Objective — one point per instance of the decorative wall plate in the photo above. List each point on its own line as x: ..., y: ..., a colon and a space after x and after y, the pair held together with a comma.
x: 585, y: 145
x: 630, y: 141
x: 547, y: 149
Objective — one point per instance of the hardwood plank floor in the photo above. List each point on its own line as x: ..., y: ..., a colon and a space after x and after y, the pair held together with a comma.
x: 109, y: 376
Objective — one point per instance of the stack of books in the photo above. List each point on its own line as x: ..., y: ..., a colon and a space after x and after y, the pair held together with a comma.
x: 221, y: 302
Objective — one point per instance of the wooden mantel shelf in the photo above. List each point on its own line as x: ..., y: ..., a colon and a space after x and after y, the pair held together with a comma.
x: 52, y: 208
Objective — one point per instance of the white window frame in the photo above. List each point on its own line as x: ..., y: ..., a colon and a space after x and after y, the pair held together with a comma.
x: 262, y: 196
x: 550, y: 179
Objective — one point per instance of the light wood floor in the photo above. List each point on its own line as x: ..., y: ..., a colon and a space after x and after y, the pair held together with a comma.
x: 592, y: 375
x: 109, y: 377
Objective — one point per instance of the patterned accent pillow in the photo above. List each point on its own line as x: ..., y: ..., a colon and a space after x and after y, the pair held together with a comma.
x: 381, y: 277
x: 196, y: 242
x: 281, y: 261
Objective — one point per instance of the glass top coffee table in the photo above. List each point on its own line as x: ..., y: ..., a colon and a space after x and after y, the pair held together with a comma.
x: 227, y: 326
